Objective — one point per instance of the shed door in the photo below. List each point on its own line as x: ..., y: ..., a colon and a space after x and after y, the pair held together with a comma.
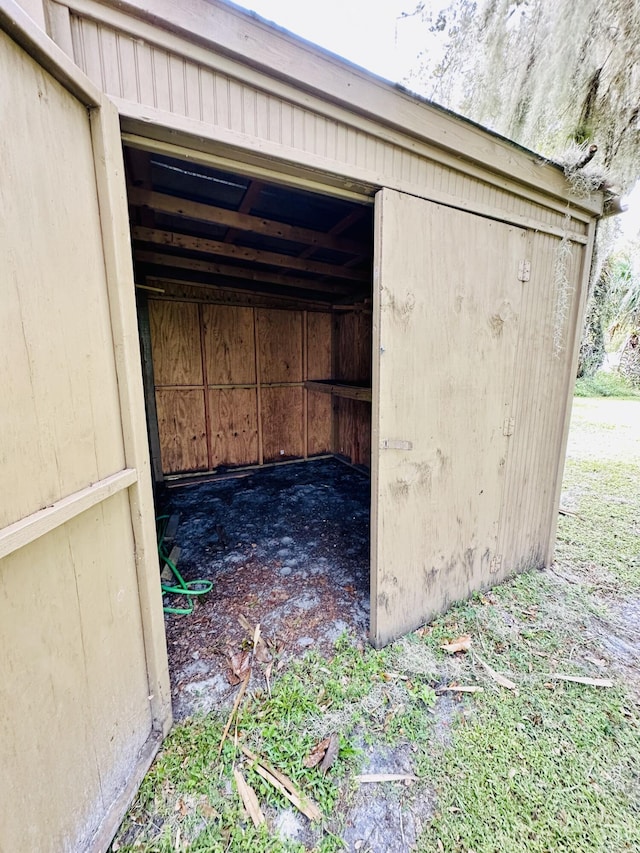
x: 79, y: 596
x: 446, y: 309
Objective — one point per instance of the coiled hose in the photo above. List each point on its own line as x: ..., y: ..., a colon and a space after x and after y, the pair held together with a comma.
x: 180, y: 585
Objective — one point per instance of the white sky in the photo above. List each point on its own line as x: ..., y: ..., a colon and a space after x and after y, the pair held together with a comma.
x: 370, y: 33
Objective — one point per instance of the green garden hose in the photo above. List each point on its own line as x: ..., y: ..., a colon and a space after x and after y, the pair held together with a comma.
x: 180, y: 586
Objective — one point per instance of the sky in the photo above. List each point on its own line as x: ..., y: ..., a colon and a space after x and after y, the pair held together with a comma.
x: 370, y: 33
x: 377, y: 36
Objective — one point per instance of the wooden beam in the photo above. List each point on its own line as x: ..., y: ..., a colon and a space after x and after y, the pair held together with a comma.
x: 215, y: 247
x: 251, y: 195
x: 194, y: 291
x: 242, y: 221
x: 225, y: 271
x: 352, y: 392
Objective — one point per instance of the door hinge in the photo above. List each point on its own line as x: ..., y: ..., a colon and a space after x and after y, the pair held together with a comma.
x: 508, y: 426
x: 524, y: 270
x: 395, y: 444
x: 496, y: 564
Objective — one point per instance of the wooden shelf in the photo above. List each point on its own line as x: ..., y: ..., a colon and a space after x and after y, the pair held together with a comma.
x: 339, y: 389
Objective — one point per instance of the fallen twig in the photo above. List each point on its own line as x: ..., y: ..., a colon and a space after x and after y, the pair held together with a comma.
x: 460, y: 688
x: 365, y: 778
x: 236, y: 705
x: 249, y: 798
x: 578, y: 679
x: 502, y: 680
x: 286, y: 787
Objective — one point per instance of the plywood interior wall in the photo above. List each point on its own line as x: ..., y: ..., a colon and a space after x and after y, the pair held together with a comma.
x: 229, y: 384
x: 352, y: 363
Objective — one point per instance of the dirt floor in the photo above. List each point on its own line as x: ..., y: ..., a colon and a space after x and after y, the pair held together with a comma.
x: 286, y: 547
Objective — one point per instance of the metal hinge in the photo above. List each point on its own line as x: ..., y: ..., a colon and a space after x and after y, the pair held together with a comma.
x: 496, y: 564
x: 395, y: 444
x: 524, y: 270
x: 508, y: 426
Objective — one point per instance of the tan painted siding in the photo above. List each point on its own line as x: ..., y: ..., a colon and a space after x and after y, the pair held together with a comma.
x: 219, y: 103
x: 74, y: 683
x: 542, y: 368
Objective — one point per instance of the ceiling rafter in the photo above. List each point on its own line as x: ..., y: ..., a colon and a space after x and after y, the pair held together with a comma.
x: 227, y: 250
x: 164, y: 203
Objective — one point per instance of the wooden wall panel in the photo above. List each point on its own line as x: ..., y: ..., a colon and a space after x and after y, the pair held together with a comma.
x: 279, y: 336
x: 175, y: 342
x: 352, y: 363
x: 229, y: 345
x: 319, y: 420
x: 234, y: 426
x: 353, y: 430
x: 352, y: 358
x: 319, y: 346
x: 182, y: 428
x: 282, y: 423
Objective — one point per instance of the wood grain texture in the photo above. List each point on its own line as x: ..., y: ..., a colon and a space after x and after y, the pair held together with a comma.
x: 229, y: 345
x: 234, y: 426
x: 319, y: 415
x: 280, y: 343
x: 282, y: 423
x: 175, y: 343
x: 353, y: 430
x: 182, y: 428
x: 447, y: 331
x: 319, y: 346
x: 352, y: 342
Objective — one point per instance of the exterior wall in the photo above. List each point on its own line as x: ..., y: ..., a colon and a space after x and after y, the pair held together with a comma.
x: 160, y: 80
x: 84, y: 699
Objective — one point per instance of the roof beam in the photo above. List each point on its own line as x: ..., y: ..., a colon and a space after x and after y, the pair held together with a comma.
x: 164, y: 203
x: 226, y: 250
x: 225, y: 271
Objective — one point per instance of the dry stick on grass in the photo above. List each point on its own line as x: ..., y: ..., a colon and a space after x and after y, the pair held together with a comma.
x: 502, y: 680
x: 460, y: 688
x: 283, y: 784
x: 577, y: 679
x: 236, y: 705
x: 249, y: 798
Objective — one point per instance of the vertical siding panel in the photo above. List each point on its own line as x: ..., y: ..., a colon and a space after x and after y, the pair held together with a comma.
x: 161, y: 82
x: 235, y: 105
x: 90, y: 52
x: 128, y: 69
x: 221, y: 91
x: 109, y: 62
x: 207, y: 96
x: 144, y: 61
x: 177, y: 84
x: 193, y: 90
x: 263, y: 126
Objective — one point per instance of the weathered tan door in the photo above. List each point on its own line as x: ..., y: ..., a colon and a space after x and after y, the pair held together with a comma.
x: 83, y: 673
x: 446, y: 307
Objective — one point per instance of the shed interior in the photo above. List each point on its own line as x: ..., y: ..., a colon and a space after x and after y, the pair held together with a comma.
x: 254, y: 304
x: 255, y: 314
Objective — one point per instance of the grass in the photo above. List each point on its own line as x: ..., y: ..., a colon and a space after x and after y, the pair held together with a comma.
x: 606, y: 385
x: 550, y: 766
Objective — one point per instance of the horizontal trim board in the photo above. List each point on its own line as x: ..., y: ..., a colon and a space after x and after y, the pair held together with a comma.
x: 198, y: 133
x: 28, y: 529
x: 137, y: 138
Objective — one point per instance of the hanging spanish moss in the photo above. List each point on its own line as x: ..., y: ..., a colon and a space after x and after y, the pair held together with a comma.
x: 550, y: 75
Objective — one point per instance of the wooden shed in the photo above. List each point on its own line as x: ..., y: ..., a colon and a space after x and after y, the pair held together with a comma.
x: 323, y: 264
